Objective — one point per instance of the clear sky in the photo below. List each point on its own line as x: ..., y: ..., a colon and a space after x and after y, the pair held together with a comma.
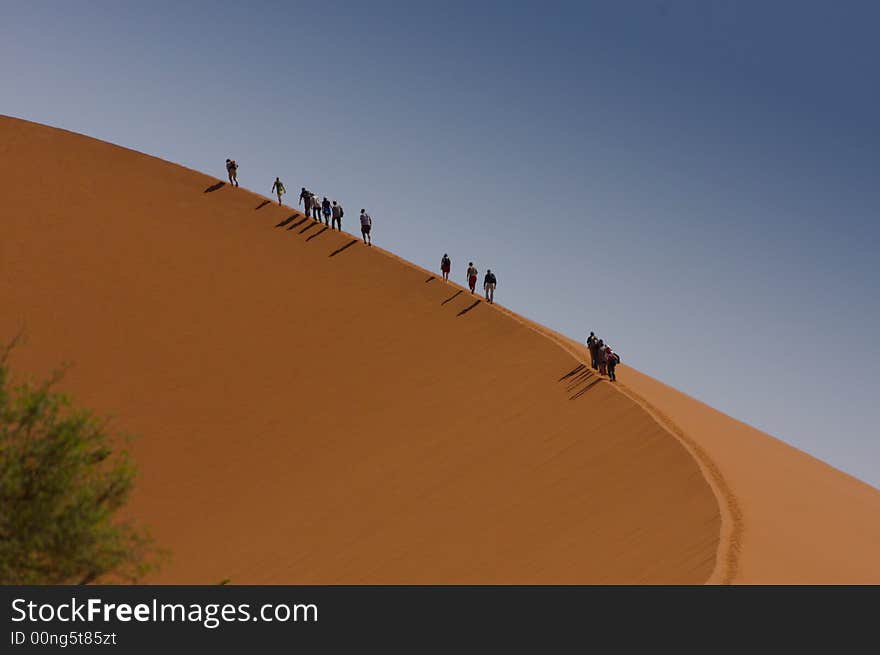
x: 695, y: 180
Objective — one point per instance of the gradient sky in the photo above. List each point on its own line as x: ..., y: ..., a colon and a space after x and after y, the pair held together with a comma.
x: 694, y: 180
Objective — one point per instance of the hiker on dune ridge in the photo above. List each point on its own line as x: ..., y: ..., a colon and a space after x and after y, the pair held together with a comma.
x: 592, y: 344
x: 326, y: 210
x: 366, y: 227
x: 305, y: 199
x: 489, y: 283
x: 232, y: 171
x: 612, y: 359
x: 336, y: 214
x: 278, y: 187
x: 472, y: 276
x: 445, y: 266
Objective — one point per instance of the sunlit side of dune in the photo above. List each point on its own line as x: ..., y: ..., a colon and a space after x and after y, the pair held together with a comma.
x: 311, y: 410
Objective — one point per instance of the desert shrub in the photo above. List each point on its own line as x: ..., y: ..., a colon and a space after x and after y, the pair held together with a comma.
x: 63, y: 478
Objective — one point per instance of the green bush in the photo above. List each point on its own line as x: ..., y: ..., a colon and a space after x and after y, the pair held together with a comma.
x: 62, y: 480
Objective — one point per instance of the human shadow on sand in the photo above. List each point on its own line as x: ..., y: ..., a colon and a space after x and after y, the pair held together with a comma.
x: 345, y: 247
x: 317, y: 234
x: 452, y: 297
x: 214, y: 187
x: 577, y: 369
x: 298, y: 223
x: 586, y: 388
x: 468, y: 308
x: 287, y: 220
x: 262, y: 204
x: 580, y: 380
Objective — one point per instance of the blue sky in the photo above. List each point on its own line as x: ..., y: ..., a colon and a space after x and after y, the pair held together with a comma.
x: 693, y: 180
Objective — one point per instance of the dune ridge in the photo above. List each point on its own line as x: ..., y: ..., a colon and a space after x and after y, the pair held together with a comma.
x: 316, y: 411
x: 731, y: 530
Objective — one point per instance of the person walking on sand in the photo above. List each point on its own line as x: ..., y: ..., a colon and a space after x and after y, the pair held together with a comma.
x: 612, y: 359
x: 325, y: 209
x: 305, y: 199
x: 316, y: 207
x: 336, y: 213
x: 600, y: 357
x: 366, y: 227
x: 445, y: 266
x: 278, y: 187
x: 232, y: 171
x: 472, y: 276
x: 489, y: 283
x: 592, y: 344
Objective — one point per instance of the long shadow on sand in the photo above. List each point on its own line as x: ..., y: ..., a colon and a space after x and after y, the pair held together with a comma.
x: 262, y: 204
x: 577, y: 369
x: 298, y: 223
x: 214, y: 187
x: 452, y: 297
x: 308, y: 227
x: 317, y: 234
x: 580, y: 380
x: 468, y: 308
x: 429, y: 279
x: 287, y: 220
x: 345, y: 247
x: 586, y: 389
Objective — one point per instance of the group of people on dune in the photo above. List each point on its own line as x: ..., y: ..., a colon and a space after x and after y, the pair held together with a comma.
x: 313, y: 205
x: 332, y: 212
x: 602, y: 357
x: 489, y: 281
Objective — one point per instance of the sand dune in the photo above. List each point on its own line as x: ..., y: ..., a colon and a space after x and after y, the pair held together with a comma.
x: 311, y: 410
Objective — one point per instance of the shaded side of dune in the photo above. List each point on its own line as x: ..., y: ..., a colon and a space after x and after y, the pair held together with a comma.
x: 315, y: 411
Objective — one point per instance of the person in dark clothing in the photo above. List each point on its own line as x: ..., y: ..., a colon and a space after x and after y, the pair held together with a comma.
x: 489, y: 283
x: 336, y: 213
x: 325, y: 209
x: 592, y: 344
x: 612, y: 359
x: 600, y: 357
x: 305, y: 199
x: 232, y: 171
x: 445, y: 266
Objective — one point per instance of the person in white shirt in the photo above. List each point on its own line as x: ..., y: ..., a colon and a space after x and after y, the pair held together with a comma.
x: 366, y: 226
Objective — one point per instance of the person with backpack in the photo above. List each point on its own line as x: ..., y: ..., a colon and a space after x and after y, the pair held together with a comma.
x: 325, y: 209
x: 489, y: 283
x: 472, y: 276
x: 612, y: 359
x: 445, y: 266
x: 600, y: 357
x: 232, y: 171
x: 366, y: 227
x: 278, y: 188
x: 592, y: 344
x: 336, y: 213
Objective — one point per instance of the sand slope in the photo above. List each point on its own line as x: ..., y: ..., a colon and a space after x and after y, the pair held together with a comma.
x: 315, y: 411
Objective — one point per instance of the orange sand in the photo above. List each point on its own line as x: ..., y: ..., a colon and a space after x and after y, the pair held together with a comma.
x: 308, y: 418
